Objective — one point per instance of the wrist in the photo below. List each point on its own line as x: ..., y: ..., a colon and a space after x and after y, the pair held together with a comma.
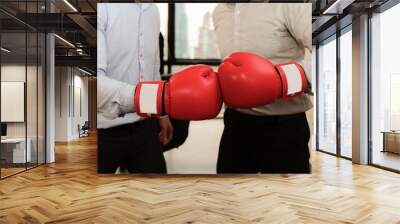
x: 293, y: 79
x: 125, y: 99
x: 148, y: 98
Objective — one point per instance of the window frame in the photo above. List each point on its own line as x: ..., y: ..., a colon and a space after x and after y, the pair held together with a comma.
x: 27, y: 29
x: 333, y: 37
x: 171, y: 58
x: 380, y: 9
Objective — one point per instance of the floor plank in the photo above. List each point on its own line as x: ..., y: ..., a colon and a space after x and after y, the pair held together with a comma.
x: 70, y: 191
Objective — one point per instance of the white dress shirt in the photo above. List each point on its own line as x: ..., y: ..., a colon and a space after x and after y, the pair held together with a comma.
x: 127, y: 53
x: 279, y: 32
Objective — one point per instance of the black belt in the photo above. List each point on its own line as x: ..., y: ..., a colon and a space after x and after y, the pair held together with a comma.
x: 130, y: 126
x: 236, y: 116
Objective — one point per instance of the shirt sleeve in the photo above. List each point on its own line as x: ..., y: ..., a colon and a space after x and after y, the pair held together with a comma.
x: 157, y: 75
x: 217, y: 20
x: 306, y: 65
x: 298, y: 21
x: 113, y: 97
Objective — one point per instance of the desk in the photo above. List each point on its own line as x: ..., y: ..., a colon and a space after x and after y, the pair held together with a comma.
x: 391, y: 141
x: 13, y: 150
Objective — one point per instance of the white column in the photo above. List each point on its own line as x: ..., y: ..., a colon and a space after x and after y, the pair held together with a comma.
x: 360, y: 90
x: 50, y: 99
x: 63, y: 103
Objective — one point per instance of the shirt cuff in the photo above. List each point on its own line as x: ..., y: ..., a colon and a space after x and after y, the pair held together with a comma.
x: 306, y: 67
x: 126, y: 99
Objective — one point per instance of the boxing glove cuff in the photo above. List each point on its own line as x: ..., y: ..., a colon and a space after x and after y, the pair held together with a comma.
x: 293, y: 78
x: 149, y: 99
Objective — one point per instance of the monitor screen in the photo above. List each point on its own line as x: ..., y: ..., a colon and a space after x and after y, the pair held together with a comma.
x: 3, y: 129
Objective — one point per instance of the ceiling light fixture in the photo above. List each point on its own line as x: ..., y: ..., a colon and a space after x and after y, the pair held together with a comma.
x: 79, y: 51
x: 5, y: 50
x: 84, y: 71
x: 337, y: 7
x: 64, y: 40
x: 70, y: 5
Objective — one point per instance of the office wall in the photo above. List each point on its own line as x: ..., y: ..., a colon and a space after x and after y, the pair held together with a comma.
x: 61, y: 103
x: 80, y: 110
x: 308, y: 58
x: 34, y: 124
x: 92, y: 110
x: 71, y: 102
x: 17, y: 73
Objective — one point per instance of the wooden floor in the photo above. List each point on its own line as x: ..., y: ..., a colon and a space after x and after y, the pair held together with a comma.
x: 11, y: 170
x: 387, y: 159
x: 70, y: 191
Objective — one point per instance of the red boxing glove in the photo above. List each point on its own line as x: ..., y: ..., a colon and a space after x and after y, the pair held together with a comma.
x: 190, y: 94
x: 248, y: 80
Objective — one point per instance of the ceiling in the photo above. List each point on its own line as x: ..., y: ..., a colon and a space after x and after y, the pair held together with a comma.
x: 75, y: 21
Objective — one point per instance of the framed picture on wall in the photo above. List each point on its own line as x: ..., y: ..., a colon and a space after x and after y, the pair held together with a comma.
x: 12, y: 101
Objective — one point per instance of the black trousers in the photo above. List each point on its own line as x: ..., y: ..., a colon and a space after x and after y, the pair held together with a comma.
x: 135, y: 147
x: 264, y: 144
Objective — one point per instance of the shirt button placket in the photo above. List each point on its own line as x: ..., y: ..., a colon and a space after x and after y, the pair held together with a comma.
x: 236, y: 22
x: 141, y: 61
x: 141, y: 76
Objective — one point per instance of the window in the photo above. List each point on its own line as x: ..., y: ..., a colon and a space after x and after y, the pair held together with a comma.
x: 327, y: 96
x: 385, y: 89
x: 346, y: 93
x: 192, y: 40
x: 334, y: 106
x: 163, y: 9
x: 194, y: 31
x: 22, y: 74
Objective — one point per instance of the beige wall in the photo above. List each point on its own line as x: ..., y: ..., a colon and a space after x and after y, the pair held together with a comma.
x: 71, y: 92
x: 34, y: 126
x: 92, y: 89
x: 17, y: 73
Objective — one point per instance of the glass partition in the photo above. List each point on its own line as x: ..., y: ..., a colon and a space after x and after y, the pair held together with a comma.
x: 22, y: 89
x: 385, y: 89
x: 346, y: 93
x: 14, y: 153
x: 326, y: 98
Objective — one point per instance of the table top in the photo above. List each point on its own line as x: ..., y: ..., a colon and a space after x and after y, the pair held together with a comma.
x: 391, y: 132
x: 13, y: 140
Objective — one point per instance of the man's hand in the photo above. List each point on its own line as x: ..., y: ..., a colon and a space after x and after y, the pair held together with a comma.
x: 166, y: 130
